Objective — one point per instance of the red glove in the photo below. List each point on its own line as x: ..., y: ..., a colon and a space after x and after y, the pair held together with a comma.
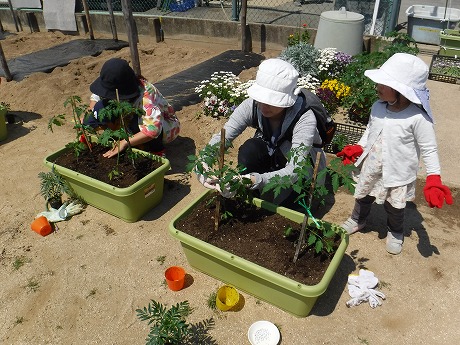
x: 350, y: 153
x: 435, y: 192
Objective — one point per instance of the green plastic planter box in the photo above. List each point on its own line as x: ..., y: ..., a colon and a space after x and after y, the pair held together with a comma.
x: 450, y: 43
x: 3, y: 132
x: 276, y: 289
x: 130, y: 203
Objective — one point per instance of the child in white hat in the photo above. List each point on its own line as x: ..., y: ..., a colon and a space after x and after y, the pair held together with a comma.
x: 399, y: 132
x: 278, y: 128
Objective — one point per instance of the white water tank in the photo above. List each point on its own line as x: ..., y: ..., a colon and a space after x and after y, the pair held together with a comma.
x: 342, y: 30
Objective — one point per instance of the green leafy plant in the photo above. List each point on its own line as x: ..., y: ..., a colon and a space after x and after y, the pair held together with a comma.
x: 302, y: 35
x: 120, y: 114
x: 210, y: 163
x: 79, y: 111
x: 53, y: 186
x: 322, y: 236
x: 339, y: 141
x: 169, y: 326
x: 206, y: 163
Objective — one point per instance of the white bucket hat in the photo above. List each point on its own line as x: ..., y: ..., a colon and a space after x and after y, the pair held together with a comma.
x: 406, y: 74
x: 276, y: 84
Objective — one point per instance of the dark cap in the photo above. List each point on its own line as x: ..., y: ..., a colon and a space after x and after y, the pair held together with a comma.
x: 116, y: 74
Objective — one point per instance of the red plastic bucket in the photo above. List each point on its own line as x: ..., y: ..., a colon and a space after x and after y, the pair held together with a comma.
x: 175, y: 277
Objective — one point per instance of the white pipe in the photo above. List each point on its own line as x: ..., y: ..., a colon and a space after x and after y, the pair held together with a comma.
x: 374, y: 17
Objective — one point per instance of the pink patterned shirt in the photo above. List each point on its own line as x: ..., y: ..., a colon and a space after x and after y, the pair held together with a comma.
x: 159, y: 114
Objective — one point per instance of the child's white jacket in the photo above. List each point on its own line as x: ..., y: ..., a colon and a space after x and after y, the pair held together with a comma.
x: 407, y: 136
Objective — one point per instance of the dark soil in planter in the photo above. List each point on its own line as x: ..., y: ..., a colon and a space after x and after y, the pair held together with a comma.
x: 98, y: 167
x: 257, y: 235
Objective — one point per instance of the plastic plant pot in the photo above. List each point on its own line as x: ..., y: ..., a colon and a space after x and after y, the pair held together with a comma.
x: 175, y: 277
x: 41, y: 226
x: 227, y: 297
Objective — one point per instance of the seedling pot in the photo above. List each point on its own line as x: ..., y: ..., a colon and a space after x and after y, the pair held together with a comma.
x: 175, y: 277
x: 276, y: 289
x: 130, y: 203
x: 41, y: 226
x: 227, y: 297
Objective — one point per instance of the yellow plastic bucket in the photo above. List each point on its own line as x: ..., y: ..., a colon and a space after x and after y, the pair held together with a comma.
x: 227, y: 297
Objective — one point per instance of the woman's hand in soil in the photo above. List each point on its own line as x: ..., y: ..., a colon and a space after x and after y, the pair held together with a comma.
x: 116, y: 149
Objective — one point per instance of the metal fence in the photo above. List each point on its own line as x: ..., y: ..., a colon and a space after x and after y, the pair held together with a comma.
x: 294, y: 13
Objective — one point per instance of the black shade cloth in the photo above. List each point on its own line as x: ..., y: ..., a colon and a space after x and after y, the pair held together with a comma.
x: 179, y: 89
x: 48, y: 59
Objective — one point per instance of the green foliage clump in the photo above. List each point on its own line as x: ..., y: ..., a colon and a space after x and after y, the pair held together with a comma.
x: 302, y: 35
x: 321, y: 237
x: 169, y: 326
x: 53, y: 186
x: 206, y: 163
x: 304, y: 57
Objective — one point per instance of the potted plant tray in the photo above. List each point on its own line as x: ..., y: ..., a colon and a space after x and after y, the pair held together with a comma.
x: 285, y: 293
x: 450, y: 43
x: 129, y: 203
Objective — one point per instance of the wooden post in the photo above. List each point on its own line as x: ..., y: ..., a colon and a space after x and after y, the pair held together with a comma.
x: 88, y: 19
x: 221, y: 165
x: 15, y: 19
x: 132, y: 35
x: 244, y: 7
x: 112, y: 20
x: 8, y: 75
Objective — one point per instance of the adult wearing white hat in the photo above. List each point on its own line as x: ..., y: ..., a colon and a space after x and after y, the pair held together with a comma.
x: 278, y: 127
x: 400, y: 132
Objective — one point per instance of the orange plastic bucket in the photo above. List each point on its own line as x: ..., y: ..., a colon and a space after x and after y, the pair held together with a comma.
x: 41, y: 226
x: 175, y: 277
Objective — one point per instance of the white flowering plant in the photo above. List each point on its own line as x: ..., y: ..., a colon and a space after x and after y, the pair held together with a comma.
x: 222, y: 93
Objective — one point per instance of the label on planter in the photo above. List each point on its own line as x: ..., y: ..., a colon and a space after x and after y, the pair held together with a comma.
x: 149, y: 190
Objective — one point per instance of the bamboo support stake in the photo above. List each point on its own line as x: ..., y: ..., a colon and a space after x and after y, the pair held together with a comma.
x: 301, y: 240
x: 221, y: 165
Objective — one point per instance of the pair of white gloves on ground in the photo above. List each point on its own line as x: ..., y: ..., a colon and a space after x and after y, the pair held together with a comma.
x: 65, y: 211
x: 362, y: 288
x: 213, y: 182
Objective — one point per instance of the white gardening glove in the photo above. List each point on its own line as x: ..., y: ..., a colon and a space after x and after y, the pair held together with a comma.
x: 362, y: 288
x: 374, y: 296
x: 226, y: 192
x: 65, y: 211
x: 208, y: 182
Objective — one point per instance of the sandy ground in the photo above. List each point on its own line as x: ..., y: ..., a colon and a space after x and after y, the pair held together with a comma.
x: 96, y: 270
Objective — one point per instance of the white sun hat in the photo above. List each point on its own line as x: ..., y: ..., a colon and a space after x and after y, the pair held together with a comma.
x: 406, y: 74
x: 276, y: 84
